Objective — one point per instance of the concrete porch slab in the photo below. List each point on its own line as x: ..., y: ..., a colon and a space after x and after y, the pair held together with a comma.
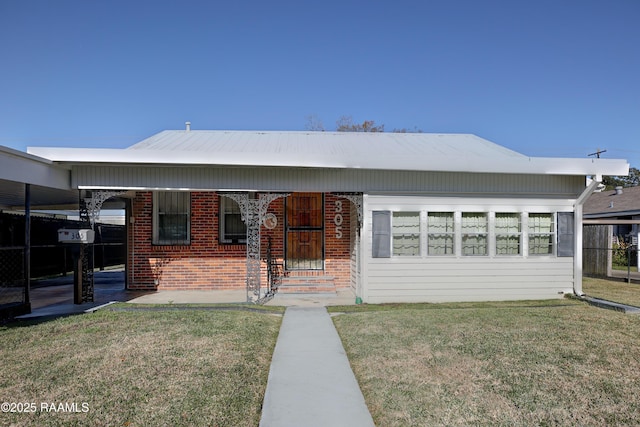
x: 341, y: 297
x: 192, y: 297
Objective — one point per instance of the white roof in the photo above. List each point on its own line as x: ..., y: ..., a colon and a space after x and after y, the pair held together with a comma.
x: 329, y: 143
x: 381, y: 151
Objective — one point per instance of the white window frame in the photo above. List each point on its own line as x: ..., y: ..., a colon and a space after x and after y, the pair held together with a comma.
x: 442, y: 233
x: 478, y: 233
x: 434, y: 232
x: 509, y: 233
x: 159, y: 211
x: 534, y: 234
x: 398, y: 233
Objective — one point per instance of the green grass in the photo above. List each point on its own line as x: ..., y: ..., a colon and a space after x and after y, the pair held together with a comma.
x: 632, y: 268
x: 177, y: 367
x: 128, y: 306
x: 612, y: 290
x: 521, y: 363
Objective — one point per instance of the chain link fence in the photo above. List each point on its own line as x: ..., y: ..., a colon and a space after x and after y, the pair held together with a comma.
x: 12, y: 290
x: 48, y: 256
x: 620, y: 261
x: 608, y: 254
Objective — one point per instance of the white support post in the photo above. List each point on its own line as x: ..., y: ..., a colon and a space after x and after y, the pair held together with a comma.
x: 357, y: 200
x: 253, y: 212
x: 577, y: 252
x: 89, y: 213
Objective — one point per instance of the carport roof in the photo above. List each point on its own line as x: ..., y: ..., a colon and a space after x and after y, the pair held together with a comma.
x: 50, y: 183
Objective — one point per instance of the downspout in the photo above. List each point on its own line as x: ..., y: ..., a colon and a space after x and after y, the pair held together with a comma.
x: 577, y: 249
x: 364, y: 249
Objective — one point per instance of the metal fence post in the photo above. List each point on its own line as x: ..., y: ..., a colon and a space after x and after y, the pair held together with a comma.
x: 629, y: 264
x: 27, y: 246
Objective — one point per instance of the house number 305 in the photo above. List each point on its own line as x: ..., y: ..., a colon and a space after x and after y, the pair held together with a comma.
x: 337, y: 220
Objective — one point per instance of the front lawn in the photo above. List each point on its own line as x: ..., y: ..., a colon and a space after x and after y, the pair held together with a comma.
x: 633, y: 268
x: 558, y: 362
x: 141, y: 368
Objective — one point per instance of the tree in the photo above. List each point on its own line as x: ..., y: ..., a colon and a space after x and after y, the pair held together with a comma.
x: 345, y: 124
x: 631, y: 180
x: 405, y: 130
x: 314, y: 123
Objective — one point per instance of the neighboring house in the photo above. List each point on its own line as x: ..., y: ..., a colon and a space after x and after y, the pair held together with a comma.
x: 618, y: 204
x: 395, y: 217
x: 610, y: 216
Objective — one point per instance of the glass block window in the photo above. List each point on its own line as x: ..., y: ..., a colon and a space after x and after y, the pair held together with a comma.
x: 405, y: 229
x: 171, y: 217
x: 508, y: 233
x: 474, y: 228
x: 541, y: 230
x: 441, y: 233
x: 231, y: 228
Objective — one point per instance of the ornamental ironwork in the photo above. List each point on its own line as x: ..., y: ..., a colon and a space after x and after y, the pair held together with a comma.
x: 356, y: 200
x: 253, y: 212
x: 94, y: 203
x: 89, y: 213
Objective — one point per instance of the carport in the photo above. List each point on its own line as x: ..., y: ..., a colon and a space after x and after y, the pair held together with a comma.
x: 28, y: 183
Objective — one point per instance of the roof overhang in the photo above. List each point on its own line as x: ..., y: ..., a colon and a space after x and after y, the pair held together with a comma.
x: 610, y: 221
x: 30, y: 169
x: 615, y: 214
x: 408, y: 162
x: 50, y: 183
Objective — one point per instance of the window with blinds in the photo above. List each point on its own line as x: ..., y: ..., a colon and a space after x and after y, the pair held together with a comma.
x: 171, y: 218
x: 231, y: 228
x: 472, y: 234
x: 475, y: 229
x: 508, y: 233
x: 541, y: 231
x: 441, y: 233
x: 406, y: 233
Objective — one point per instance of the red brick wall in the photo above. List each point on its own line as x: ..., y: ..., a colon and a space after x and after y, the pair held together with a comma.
x: 207, y: 264
x: 337, y: 222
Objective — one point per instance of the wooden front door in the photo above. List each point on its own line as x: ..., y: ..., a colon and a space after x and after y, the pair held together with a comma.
x: 305, y: 231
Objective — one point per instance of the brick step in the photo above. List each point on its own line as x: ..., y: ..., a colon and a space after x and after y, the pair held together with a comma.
x: 307, y: 285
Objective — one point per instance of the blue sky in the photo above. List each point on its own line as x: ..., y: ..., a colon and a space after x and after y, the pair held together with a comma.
x: 543, y: 77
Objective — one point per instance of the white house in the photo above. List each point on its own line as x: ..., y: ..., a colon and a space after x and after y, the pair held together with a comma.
x: 394, y: 216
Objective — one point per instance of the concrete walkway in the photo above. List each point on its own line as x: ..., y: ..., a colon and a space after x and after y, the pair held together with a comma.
x: 603, y: 303
x: 634, y: 276
x: 310, y: 380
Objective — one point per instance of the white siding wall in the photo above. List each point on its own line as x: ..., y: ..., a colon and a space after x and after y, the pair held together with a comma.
x: 462, y: 278
x: 320, y: 180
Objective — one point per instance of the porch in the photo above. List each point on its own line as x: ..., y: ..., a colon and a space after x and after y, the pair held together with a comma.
x: 257, y: 242
x: 54, y: 297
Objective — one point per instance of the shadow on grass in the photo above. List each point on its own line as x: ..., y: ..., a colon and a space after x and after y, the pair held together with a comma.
x: 566, y: 302
x: 125, y: 307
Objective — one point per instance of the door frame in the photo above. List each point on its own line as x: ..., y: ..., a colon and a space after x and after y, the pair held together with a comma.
x: 321, y: 230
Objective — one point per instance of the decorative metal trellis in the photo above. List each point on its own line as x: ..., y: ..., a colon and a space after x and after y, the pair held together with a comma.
x: 89, y: 213
x: 356, y: 200
x: 253, y: 212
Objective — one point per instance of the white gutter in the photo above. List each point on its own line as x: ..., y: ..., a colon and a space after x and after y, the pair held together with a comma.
x: 577, y: 249
x: 25, y: 168
x: 371, y: 160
